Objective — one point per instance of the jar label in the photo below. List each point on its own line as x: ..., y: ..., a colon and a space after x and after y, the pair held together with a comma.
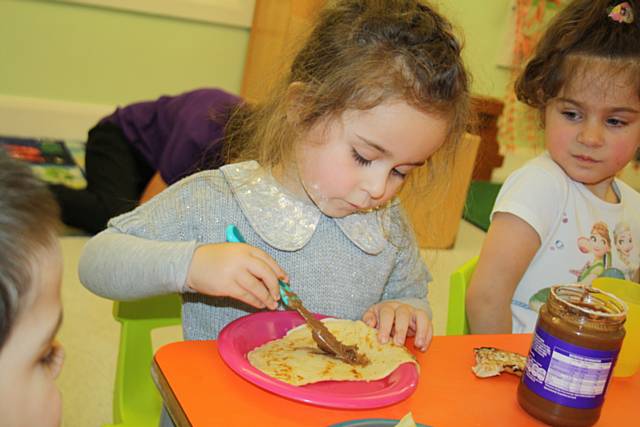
x: 567, y: 374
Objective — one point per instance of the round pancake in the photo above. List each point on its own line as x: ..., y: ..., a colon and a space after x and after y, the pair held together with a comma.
x: 296, y: 359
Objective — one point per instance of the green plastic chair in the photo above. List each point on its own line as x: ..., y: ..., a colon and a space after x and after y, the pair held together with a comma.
x: 458, y: 282
x: 136, y: 401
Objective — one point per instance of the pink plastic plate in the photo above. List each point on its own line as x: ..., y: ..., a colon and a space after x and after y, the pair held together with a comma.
x: 246, y: 333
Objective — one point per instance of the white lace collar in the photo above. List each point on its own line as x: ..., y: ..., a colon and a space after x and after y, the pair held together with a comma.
x: 286, y: 222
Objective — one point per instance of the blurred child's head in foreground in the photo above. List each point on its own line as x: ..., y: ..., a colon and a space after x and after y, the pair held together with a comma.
x: 30, y: 305
x: 360, y: 55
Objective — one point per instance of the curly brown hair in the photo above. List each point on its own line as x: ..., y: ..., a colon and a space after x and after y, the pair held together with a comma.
x: 581, y: 34
x: 359, y: 54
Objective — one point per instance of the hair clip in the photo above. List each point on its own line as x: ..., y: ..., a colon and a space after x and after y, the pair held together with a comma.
x: 622, y: 13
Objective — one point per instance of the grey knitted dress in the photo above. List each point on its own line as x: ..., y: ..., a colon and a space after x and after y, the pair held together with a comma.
x: 339, y: 267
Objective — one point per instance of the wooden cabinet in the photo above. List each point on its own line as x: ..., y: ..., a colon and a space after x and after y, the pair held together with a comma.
x: 436, y: 215
x: 278, y: 28
x: 487, y: 111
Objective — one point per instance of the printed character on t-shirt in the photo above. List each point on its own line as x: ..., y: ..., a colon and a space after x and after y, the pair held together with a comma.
x: 627, y: 251
x: 599, y: 244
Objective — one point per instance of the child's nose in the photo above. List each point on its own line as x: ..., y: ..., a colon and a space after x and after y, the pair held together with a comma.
x: 376, y: 185
x: 591, y: 134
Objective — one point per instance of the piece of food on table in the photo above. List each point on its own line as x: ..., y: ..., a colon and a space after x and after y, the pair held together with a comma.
x: 296, y: 359
x: 491, y: 361
x: 407, y: 421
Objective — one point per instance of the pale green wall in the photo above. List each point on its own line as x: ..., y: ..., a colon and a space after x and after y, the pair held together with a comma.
x: 86, y: 54
x: 484, y: 24
x: 96, y: 55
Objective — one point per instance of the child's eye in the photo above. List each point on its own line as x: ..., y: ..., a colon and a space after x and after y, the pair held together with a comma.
x: 53, y: 359
x: 359, y: 159
x: 571, y: 115
x: 615, y: 122
x: 399, y: 174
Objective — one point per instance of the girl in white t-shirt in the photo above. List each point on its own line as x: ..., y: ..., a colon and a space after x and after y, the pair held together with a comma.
x: 564, y: 217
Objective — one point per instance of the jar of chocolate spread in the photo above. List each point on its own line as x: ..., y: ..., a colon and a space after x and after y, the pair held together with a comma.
x: 575, y: 345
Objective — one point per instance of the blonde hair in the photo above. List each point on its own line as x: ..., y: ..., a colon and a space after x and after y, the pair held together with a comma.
x: 621, y: 227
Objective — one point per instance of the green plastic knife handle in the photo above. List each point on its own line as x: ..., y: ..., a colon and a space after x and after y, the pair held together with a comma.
x: 233, y: 235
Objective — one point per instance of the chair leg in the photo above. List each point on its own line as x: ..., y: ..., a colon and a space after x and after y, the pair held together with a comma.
x: 136, y: 399
x: 456, y: 318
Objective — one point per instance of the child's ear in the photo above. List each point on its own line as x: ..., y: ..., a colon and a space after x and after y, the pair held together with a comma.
x: 294, y: 101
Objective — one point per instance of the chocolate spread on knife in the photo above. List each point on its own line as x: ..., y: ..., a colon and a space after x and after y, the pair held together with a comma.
x: 576, y: 341
x: 326, y: 341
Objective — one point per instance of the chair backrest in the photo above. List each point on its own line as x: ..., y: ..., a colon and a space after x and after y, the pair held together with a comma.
x: 458, y: 282
x: 436, y: 219
x: 136, y: 401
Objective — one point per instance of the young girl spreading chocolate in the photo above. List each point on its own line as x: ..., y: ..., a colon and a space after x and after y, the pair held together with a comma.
x: 377, y: 89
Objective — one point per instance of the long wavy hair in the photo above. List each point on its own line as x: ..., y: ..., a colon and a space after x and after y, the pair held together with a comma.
x: 360, y: 54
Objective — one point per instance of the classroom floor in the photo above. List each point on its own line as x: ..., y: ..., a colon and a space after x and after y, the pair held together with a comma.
x: 90, y: 335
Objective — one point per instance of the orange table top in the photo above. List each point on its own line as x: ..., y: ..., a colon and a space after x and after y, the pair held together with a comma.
x: 201, y: 390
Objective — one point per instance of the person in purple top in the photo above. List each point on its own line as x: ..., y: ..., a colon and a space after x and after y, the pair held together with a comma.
x: 141, y: 148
